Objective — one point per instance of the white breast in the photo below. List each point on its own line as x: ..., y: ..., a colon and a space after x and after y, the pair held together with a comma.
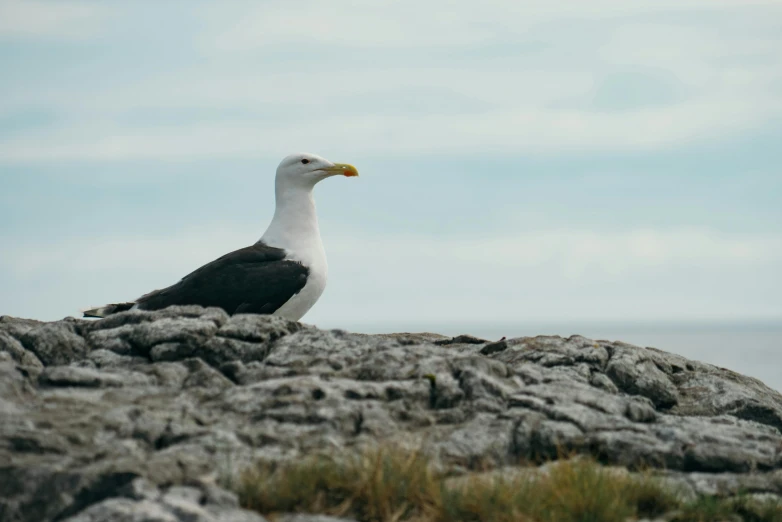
x: 298, y: 305
x: 294, y: 228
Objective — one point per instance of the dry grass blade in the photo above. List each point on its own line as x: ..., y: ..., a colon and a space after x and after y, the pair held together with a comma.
x: 389, y: 484
x: 384, y: 484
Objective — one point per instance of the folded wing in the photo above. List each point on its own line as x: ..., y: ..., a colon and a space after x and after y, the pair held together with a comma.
x: 256, y: 279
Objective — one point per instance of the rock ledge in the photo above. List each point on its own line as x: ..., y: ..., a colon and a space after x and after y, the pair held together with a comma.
x: 141, y: 415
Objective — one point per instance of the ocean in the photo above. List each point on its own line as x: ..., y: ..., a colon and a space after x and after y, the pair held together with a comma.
x: 753, y: 349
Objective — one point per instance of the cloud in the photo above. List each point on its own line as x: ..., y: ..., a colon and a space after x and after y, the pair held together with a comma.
x: 408, y: 24
x: 57, y: 20
x: 545, y: 100
x: 527, y: 130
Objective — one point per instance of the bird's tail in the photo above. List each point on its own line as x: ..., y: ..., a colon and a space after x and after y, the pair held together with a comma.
x: 107, y: 310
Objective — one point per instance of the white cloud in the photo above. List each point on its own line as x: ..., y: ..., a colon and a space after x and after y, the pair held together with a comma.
x: 529, y: 131
x: 59, y: 19
x: 408, y: 24
x: 524, y: 103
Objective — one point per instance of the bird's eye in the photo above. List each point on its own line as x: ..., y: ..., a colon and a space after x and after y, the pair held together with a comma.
x: 305, y: 161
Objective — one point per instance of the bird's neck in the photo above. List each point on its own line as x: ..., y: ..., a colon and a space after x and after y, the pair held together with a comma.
x: 294, y: 226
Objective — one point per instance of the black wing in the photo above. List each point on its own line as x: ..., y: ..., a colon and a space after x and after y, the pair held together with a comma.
x: 256, y: 279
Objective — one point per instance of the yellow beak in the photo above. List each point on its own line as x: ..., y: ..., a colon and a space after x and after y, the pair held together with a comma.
x: 342, y: 168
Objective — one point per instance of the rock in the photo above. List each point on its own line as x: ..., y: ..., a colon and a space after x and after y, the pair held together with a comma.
x: 204, y: 376
x: 16, y: 392
x: 17, y: 327
x: 16, y: 350
x: 635, y: 372
x: 483, y: 442
x: 139, y: 489
x: 460, y: 339
x: 143, y: 415
x: 491, y: 348
x: 142, y: 501
x: 75, y: 376
x: 262, y: 329
x: 125, y: 510
x: 55, y: 343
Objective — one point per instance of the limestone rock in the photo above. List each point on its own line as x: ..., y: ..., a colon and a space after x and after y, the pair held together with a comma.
x: 140, y: 416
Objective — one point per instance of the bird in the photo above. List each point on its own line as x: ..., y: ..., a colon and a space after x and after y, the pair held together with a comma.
x: 283, y: 273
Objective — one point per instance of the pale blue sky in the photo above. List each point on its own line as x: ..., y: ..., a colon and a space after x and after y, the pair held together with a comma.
x: 520, y: 161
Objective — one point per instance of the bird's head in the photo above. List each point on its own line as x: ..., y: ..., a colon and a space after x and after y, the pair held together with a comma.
x: 305, y: 170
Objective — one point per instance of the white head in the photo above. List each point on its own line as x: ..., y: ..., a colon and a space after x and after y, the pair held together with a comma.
x: 294, y: 226
x: 305, y: 170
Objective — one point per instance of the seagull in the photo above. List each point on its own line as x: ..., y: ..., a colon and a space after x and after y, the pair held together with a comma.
x: 283, y: 274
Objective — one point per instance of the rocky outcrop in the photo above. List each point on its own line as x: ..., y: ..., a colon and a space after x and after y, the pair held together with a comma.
x: 145, y: 415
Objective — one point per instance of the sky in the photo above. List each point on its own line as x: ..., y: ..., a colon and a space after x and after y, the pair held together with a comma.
x: 536, y: 162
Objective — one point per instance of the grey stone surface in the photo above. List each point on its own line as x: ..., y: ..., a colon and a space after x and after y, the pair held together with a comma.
x: 134, y: 416
x: 177, y: 504
x: 55, y: 343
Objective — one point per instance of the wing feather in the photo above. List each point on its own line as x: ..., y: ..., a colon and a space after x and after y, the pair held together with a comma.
x: 254, y: 279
